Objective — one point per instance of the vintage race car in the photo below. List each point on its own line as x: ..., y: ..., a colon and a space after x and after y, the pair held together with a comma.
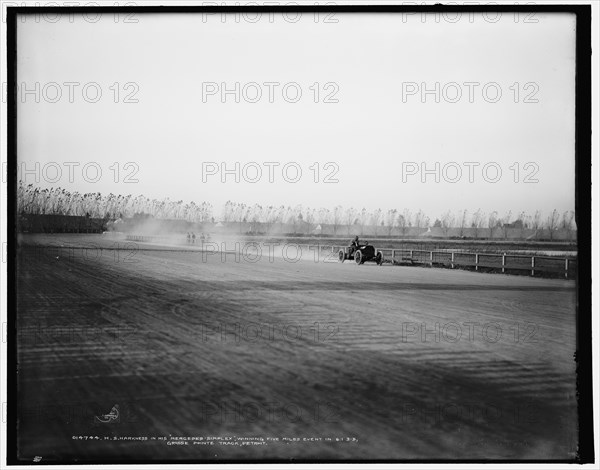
x: 361, y: 254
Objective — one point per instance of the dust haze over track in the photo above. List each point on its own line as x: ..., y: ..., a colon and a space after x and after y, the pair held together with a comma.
x: 200, y: 347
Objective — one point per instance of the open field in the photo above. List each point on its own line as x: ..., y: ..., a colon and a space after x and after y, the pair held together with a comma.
x: 388, y: 362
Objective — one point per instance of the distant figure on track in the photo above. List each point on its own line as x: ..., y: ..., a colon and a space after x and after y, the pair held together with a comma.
x: 193, y: 238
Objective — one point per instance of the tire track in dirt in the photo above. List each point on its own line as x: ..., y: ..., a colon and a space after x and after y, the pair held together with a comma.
x: 175, y: 367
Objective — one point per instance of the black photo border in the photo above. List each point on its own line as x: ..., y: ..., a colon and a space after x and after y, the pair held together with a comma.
x: 583, y: 161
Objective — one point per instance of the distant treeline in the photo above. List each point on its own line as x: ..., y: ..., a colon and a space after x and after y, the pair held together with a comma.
x: 50, y: 223
x: 257, y: 219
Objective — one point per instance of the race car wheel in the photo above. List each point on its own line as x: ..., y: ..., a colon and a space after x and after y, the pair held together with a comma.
x: 341, y: 256
x: 379, y: 258
x: 358, y: 257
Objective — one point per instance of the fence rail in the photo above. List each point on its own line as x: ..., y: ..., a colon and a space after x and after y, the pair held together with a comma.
x: 501, y: 262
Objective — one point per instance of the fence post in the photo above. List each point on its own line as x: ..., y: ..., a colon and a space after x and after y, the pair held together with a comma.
x: 566, y: 268
x: 503, y: 261
x: 533, y: 265
x: 476, y: 261
x: 452, y: 260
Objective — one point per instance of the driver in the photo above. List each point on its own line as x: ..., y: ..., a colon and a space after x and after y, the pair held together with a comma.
x: 354, y: 245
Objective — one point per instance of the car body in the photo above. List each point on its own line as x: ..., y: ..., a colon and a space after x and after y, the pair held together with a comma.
x: 361, y: 254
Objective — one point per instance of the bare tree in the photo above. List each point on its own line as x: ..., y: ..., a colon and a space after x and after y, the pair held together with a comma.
x: 281, y: 217
x: 477, y: 222
x: 505, y: 224
x: 309, y: 218
x: 420, y: 219
x: 447, y: 222
x: 350, y: 218
x: 255, y: 215
x: 552, y: 223
x: 462, y: 217
x: 536, y: 223
x: 492, y: 223
x: 241, y: 214
x: 404, y: 221
x: 375, y: 219
x: 228, y: 212
x: 568, y: 223
x: 522, y: 223
x: 336, y: 218
x: 295, y: 217
x: 390, y: 221
x: 271, y: 215
x: 363, y: 217
x: 323, y: 217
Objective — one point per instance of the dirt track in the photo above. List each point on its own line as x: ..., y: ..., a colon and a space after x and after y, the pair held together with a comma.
x: 198, y: 347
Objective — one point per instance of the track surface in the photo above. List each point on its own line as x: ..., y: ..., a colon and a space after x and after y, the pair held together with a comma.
x: 198, y: 347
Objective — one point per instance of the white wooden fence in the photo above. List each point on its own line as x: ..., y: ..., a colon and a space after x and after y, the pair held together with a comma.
x: 502, y: 262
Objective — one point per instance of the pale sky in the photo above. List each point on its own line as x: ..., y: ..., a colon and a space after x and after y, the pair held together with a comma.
x: 371, y: 133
